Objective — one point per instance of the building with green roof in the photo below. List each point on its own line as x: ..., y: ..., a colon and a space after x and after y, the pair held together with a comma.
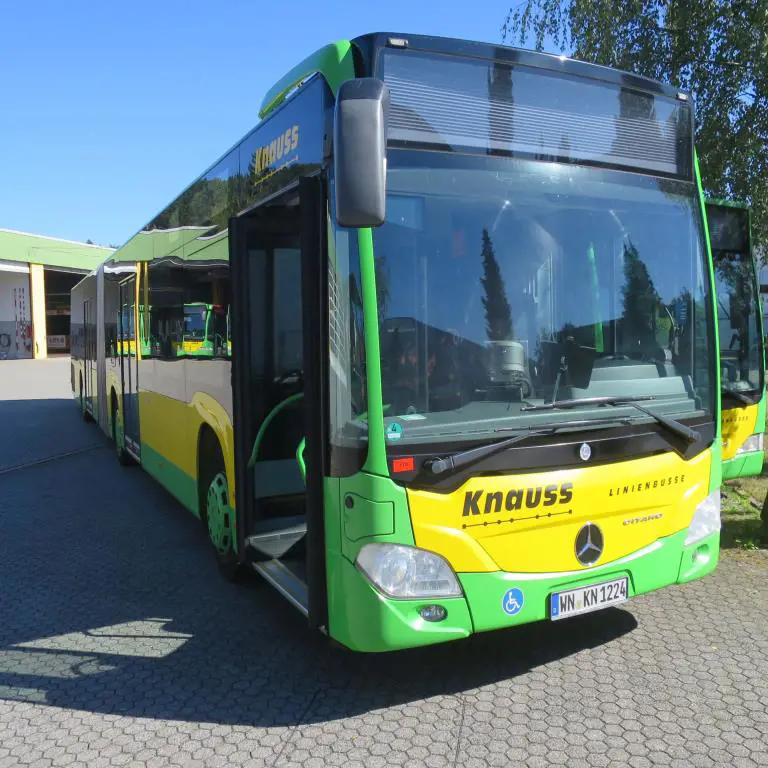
x: 37, y: 274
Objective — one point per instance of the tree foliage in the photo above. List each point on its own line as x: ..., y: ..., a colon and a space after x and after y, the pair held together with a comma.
x: 717, y: 49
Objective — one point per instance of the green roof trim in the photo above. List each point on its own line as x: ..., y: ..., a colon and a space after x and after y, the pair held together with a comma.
x: 147, y: 245
x: 334, y: 62
x: 183, y: 243
x: 50, y: 251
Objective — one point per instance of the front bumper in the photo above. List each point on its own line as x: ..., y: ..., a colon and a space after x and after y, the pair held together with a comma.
x: 369, y: 621
x: 665, y: 562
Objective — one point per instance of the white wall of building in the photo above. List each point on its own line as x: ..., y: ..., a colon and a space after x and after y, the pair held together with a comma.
x: 15, y: 311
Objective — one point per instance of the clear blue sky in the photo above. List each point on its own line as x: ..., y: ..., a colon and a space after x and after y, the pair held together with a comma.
x: 108, y: 110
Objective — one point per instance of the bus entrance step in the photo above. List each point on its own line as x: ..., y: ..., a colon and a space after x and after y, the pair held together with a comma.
x: 286, y: 582
x: 273, y: 538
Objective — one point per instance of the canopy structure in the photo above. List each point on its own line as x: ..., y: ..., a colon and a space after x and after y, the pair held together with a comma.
x: 36, y: 275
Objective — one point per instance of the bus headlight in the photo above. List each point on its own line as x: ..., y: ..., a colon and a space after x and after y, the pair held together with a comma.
x: 408, y: 572
x: 752, y: 443
x: 706, y: 519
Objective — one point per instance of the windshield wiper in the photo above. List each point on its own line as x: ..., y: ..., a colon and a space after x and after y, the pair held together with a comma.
x: 577, y: 402
x: 740, y: 395
x: 437, y: 465
x: 691, y: 435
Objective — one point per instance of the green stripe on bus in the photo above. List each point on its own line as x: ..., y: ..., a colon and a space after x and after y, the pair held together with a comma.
x: 175, y: 480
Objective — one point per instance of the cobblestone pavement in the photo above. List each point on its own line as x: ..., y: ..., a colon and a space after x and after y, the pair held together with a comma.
x: 120, y: 645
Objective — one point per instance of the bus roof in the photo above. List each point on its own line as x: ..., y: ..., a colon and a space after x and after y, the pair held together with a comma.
x: 336, y: 62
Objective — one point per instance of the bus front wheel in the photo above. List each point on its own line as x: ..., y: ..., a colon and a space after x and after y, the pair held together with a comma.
x: 217, y: 515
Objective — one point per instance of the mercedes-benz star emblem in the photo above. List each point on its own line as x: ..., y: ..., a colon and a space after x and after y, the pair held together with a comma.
x: 585, y: 451
x: 589, y: 544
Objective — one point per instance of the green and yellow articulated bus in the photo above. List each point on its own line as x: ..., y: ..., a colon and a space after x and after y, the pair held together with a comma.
x: 742, y: 345
x: 473, y: 376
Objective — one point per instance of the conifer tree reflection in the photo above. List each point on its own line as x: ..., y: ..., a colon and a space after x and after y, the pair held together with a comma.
x: 498, y: 316
x: 641, y: 302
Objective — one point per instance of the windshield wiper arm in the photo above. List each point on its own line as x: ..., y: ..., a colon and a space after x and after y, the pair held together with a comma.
x: 671, y: 425
x: 691, y: 435
x: 741, y: 396
x: 437, y: 465
x: 578, y: 402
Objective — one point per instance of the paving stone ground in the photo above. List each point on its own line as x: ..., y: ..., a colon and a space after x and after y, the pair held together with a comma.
x: 121, y: 645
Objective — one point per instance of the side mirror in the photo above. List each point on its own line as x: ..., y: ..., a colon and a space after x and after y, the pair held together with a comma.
x: 359, y: 152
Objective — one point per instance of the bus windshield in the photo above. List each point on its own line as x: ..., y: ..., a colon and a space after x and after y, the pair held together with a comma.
x: 194, y: 322
x: 505, y: 283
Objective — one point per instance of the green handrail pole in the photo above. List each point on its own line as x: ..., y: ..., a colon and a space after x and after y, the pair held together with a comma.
x: 300, y: 459
x: 267, y: 421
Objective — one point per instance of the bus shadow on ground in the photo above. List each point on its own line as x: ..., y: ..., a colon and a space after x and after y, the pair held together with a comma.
x: 260, y: 666
x: 111, y: 603
x: 158, y: 669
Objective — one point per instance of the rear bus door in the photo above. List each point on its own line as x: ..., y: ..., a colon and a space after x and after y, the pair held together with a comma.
x: 129, y: 369
x: 89, y: 356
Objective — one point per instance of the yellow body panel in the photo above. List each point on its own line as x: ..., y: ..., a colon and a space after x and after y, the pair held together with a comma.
x: 208, y: 410
x: 171, y: 428
x: 113, y: 382
x: 528, y: 523
x: 736, y: 426
x: 125, y: 348
x: 167, y: 429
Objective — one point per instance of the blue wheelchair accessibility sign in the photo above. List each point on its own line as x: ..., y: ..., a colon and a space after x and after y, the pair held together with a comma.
x: 512, y: 602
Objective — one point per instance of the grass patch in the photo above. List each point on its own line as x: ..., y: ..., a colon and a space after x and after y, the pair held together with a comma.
x: 742, y: 505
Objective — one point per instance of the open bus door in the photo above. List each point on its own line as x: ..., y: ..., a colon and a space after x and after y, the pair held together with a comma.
x: 279, y: 326
x: 89, y: 356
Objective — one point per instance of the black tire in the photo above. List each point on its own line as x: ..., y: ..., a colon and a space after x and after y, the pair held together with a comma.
x: 212, y: 473
x: 123, y: 457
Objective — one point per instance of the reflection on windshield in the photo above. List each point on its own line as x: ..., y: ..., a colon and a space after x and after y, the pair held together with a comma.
x: 499, y: 288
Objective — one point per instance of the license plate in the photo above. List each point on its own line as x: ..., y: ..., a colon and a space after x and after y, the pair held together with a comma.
x: 572, y: 602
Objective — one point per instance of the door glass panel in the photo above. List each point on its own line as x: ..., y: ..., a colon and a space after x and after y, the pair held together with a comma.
x: 287, y: 297
x: 257, y: 259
